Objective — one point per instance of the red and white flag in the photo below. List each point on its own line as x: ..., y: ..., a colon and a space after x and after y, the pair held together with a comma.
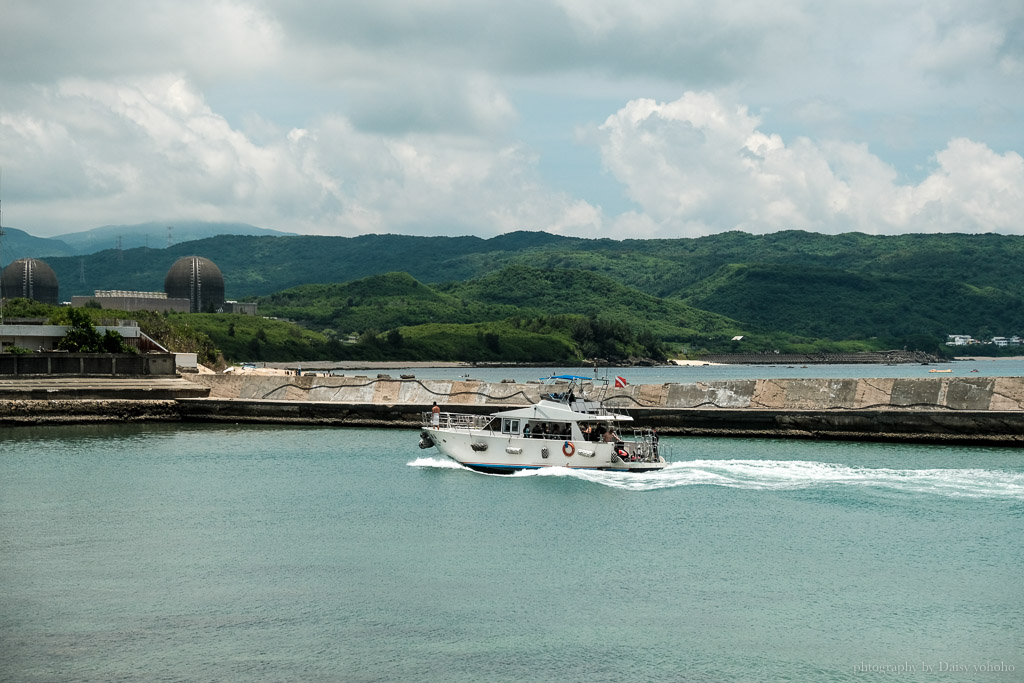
x: 620, y: 382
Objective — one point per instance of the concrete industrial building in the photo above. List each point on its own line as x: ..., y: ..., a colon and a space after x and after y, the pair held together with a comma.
x: 198, y: 280
x: 193, y: 284
x: 125, y: 300
x: 30, y: 278
x: 38, y: 335
x: 243, y: 307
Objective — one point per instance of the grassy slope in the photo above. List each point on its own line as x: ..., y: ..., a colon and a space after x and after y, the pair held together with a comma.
x: 862, y: 285
x: 820, y: 302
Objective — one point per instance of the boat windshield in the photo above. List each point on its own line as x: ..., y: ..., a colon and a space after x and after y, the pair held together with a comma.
x: 569, y: 389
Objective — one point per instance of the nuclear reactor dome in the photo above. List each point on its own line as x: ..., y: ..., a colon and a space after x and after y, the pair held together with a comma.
x: 197, y: 279
x: 30, y: 278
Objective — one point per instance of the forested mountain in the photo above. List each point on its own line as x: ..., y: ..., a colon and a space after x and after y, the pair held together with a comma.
x: 379, y: 302
x: 262, y: 265
x: 581, y: 306
x: 155, y: 234
x: 581, y: 292
x: 823, y: 302
x: 839, y: 287
x: 16, y: 244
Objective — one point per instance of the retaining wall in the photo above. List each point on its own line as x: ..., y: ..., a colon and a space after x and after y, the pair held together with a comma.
x: 928, y: 393
x: 979, y: 410
x: 86, y: 364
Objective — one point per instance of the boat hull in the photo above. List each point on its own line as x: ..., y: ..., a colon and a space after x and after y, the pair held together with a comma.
x: 502, y: 454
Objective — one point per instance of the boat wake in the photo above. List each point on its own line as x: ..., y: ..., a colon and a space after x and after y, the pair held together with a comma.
x: 789, y: 475
x: 438, y: 463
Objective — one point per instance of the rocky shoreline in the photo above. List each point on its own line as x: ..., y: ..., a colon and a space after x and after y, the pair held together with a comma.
x: 26, y: 412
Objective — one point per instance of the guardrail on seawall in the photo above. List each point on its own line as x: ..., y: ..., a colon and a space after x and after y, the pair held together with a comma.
x: 56, y: 364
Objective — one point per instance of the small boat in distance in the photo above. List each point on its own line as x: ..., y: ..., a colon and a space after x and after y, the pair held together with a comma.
x: 937, y: 370
x: 568, y: 427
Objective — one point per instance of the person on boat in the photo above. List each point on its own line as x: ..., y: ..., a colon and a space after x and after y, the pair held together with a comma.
x: 435, y: 415
x: 588, y: 432
x: 526, y: 432
x: 610, y: 436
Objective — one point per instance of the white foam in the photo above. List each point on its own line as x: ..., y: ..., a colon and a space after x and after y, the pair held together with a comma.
x: 783, y: 475
x: 439, y: 463
x: 775, y: 474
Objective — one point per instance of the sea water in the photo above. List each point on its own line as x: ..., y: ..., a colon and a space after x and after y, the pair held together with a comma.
x: 187, y: 552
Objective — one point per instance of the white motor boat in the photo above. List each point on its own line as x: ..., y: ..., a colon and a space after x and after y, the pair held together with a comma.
x: 569, y: 427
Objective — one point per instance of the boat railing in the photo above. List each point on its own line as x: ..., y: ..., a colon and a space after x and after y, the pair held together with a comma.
x: 456, y: 421
x: 643, y: 447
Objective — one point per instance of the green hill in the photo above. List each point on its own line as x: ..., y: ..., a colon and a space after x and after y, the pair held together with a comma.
x: 377, y: 302
x: 535, y: 291
x: 839, y: 287
x: 821, y: 302
x: 16, y: 244
x: 600, y: 317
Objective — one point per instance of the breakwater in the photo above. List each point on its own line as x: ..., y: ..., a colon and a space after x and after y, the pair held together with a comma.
x: 35, y: 412
x: 859, y: 358
x: 967, y: 410
x: 974, y: 410
x: 929, y: 393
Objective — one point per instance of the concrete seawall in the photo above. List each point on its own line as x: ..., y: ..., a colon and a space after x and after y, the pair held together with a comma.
x: 974, y: 410
x: 938, y: 394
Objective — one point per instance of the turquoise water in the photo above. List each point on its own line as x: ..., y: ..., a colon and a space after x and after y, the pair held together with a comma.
x: 184, y: 552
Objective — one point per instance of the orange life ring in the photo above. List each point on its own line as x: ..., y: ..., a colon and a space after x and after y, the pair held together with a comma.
x: 568, y: 449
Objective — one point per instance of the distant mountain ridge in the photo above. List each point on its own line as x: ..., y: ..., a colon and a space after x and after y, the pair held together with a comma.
x: 16, y: 244
x: 156, y: 235
x: 852, y: 286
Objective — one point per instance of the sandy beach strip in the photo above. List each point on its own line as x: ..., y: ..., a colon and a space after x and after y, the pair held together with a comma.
x: 692, y: 363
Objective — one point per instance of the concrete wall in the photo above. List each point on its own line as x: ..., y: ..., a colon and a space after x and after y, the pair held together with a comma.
x: 928, y: 393
x: 133, y: 303
x: 982, y: 410
x: 46, y: 337
x: 59, y: 364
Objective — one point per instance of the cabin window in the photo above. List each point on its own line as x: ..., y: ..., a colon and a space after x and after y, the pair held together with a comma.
x: 509, y: 426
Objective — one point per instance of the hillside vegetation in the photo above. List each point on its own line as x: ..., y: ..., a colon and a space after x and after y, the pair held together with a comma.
x: 784, y: 289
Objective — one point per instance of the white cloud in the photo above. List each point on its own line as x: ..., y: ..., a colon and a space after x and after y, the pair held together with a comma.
x: 451, y: 116
x: 960, y: 49
x: 145, y: 149
x: 699, y: 164
x: 972, y: 186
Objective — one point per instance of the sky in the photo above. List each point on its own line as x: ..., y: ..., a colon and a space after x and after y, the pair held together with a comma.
x: 589, y: 118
